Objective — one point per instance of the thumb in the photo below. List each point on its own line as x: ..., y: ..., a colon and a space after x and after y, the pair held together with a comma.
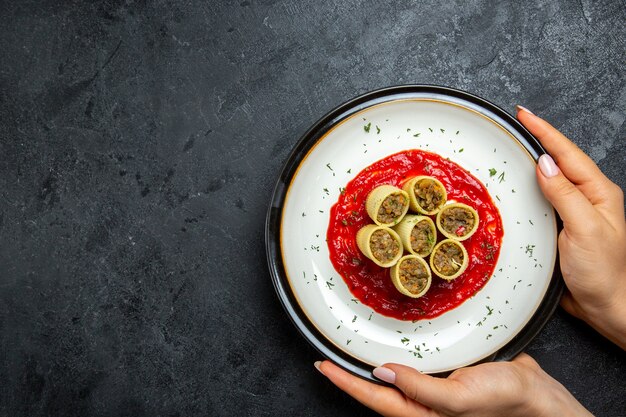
x: 573, y: 207
x: 430, y: 391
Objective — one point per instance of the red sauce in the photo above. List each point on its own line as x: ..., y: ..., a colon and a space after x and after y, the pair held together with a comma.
x: 372, y: 284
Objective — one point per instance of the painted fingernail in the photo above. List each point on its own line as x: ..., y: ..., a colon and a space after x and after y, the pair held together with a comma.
x: 524, y: 109
x: 385, y: 374
x: 317, y: 366
x: 547, y: 166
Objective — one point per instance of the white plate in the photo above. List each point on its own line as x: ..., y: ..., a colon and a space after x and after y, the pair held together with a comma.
x: 482, y: 325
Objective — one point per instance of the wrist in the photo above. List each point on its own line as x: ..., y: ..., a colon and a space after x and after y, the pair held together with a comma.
x: 557, y: 401
x: 610, y: 320
x: 611, y: 324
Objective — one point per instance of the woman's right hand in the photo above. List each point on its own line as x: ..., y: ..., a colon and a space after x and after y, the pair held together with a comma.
x: 592, y: 244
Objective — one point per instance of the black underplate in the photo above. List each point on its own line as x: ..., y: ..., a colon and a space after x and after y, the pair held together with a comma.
x: 309, y: 139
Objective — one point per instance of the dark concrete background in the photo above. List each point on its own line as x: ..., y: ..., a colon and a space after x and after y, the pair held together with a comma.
x: 139, y: 144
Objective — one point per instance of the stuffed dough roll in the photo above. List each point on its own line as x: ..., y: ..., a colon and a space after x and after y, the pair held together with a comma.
x: 380, y: 244
x: 418, y: 234
x: 411, y: 276
x: 387, y: 205
x: 457, y: 221
x: 427, y: 194
x: 449, y: 259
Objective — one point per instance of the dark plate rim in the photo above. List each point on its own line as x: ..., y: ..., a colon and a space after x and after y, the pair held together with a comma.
x: 308, y: 140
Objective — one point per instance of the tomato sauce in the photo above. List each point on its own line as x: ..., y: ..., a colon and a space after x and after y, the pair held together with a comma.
x: 372, y: 284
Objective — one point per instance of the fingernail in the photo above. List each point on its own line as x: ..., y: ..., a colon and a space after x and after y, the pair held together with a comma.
x: 317, y: 366
x: 524, y: 109
x: 547, y: 166
x: 385, y: 374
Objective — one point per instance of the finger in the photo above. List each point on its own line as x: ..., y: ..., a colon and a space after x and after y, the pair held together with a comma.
x: 578, y: 168
x: 575, y: 209
x: 575, y: 164
x: 436, y: 393
x: 384, y: 400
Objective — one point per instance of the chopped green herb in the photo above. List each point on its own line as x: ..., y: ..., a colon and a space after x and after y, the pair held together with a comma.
x: 492, y: 172
x: 501, y: 176
x: 328, y: 166
x: 349, y: 171
x: 430, y: 129
x: 405, y: 340
x: 353, y: 319
x: 461, y: 150
x: 457, y: 132
x: 443, y: 130
x: 367, y: 127
x: 377, y: 129
x: 416, y: 135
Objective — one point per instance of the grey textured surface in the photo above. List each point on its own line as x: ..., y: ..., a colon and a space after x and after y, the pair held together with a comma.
x: 139, y: 144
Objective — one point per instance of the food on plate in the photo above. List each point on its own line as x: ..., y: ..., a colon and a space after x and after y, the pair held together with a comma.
x: 411, y: 276
x: 372, y: 284
x: 418, y: 234
x: 457, y: 221
x: 449, y: 259
x: 380, y: 244
x: 427, y: 194
x: 387, y: 205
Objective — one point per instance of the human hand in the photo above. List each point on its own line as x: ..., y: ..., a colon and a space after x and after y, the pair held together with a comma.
x: 516, y: 388
x: 592, y: 244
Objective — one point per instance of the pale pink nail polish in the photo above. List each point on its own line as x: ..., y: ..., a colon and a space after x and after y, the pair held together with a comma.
x: 385, y: 374
x: 317, y: 366
x: 524, y: 109
x: 547, y: 166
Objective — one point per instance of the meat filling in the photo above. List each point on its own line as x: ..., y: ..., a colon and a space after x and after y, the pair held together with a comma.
x: 383, y: 246
x: 457, y: 221
x: 391, y: 209
x: 448, y: 259
x: 413, y: 275
x: 429, y: 194
x: 422, y: 239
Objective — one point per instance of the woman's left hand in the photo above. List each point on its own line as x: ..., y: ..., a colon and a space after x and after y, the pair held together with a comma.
x: 516, y: 388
